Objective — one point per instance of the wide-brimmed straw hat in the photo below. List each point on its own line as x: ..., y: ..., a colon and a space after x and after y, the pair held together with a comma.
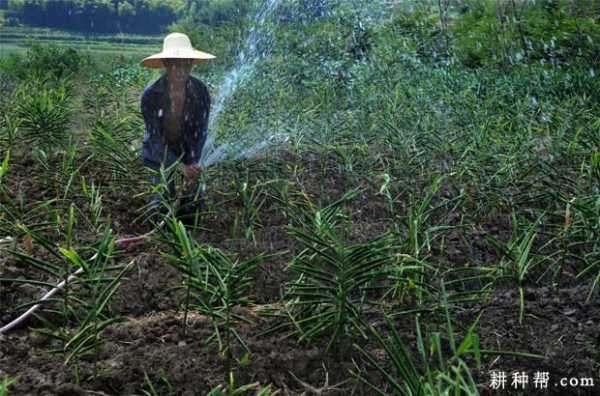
x: 176, y: 46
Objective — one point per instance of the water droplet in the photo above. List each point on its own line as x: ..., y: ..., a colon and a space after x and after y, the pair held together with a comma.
x: 256, y: 48
x: 160, y: 112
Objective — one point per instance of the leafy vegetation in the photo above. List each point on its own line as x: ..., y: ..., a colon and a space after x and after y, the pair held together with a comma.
x: 218, y: 283
x: 547, y: 31
x: 330, y: 293
x: 43, y: 60
x: 432, y: 213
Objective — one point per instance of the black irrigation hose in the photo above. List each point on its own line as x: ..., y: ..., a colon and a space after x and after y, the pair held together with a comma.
x: 119, y: 242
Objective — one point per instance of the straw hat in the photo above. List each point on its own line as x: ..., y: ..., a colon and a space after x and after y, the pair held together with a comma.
x: 176, y: 46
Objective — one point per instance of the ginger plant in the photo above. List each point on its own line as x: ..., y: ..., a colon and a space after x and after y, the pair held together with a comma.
x: 330, y: 293
x: 215, y: 285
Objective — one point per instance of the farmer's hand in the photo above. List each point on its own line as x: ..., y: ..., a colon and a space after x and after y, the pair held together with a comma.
x: 191, y: 173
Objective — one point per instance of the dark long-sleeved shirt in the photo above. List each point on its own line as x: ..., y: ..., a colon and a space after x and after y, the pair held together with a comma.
x: 194, y: 123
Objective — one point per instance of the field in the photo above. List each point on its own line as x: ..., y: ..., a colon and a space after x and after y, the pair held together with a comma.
x: 18, y: 39
x: 423, y: 228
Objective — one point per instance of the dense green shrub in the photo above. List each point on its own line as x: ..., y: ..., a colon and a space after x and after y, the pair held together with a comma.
x: 553, y: 31
x: 412, y: 33
x: 43, y: 60
x: 220, y: 12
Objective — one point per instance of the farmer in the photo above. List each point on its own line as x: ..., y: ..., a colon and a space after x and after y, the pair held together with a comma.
x: 175, y: 109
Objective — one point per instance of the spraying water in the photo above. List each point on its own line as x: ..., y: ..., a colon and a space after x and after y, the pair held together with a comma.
x: 256, y: 47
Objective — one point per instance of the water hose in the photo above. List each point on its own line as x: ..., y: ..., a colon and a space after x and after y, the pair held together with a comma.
x: 18, y: 321
x: 122, y: 242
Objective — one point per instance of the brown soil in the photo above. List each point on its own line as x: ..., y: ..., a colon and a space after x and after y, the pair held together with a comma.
x: 150, y: 341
